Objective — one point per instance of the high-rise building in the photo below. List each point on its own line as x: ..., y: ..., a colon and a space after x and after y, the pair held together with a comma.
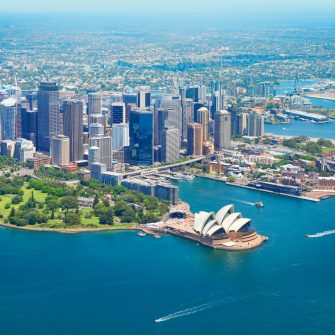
x: 196, y: 106
x: 144, y: 98
x: 264, y: 89
x: 118, y: 113
x: 170, y: 145
x: 217, y: 97
x: 202, y: 93
x: 222, y: 132
x: 24, y: 149
x: 256, y: 124
x: 29, y: 124
x: 243, y: 124
x: 94, y: 105
x: 187, y: 115
x: 73, y: 127
x: 192, y: 93
x: 234, y: 112
x: 98, y: 118
x: 95, y: 129
x: 203, y: 119
x: 194, y: 139
x: 141, y: 137
x: 173, y: 104
x: 60, y: 150
x: 104, y: 143
x: 8, y: 111
x: 120, y: 136
x: 161, y: 121
x: 93, y: 156
x: 32, y: 100
x: 49, y: 122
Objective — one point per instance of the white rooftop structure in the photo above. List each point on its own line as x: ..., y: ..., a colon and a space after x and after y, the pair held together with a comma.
x: 225, y: 220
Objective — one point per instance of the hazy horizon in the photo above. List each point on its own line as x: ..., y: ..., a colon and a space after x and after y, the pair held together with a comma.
x: 217, y: 7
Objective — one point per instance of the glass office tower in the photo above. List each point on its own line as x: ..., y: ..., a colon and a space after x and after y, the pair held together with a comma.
x: 141, y: 136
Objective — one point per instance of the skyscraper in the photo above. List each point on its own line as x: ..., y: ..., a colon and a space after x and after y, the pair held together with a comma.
x: 73, y: 127
x: 94, y: 105
x: 222, y: 132
x: 49, y: 122
x: 120, y: 136
x: 187, y: 115
x: 194, y: 139
x: 104, y: 143
x: 243, y: 124
x: 192, y: 93
x: 141, y: 137
x: 161, y: 121
x: 29, y: 124
x: 60, y: 150
x: 144, y: 98
x: 203, y: 119
x: 95, y: 129
x: 173, y: 104
x: 118, y: 113
x: 8, y: 110
x: 93, y: 155
x: 170, y: 145
x: 256, y: 124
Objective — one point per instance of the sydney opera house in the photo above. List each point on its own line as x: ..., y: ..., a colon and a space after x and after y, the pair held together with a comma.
x: 226, y: 229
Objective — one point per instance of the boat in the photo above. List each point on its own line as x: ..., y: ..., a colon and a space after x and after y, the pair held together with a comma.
x: 259, y: 204
x: 142, y: 233
x: 157, y: 236
x: 188, y: 177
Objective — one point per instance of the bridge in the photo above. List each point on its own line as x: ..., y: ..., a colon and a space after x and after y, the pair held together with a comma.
x: 158, y: 169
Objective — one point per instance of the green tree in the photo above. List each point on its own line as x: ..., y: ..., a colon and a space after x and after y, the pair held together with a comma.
x: 72, y: 219
x: 12, y: 212
x: 107, y: 217
x: 69, y: 202
x: 52, y: 205
x: 17, y: 199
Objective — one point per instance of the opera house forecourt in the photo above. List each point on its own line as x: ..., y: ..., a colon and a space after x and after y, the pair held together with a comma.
x: 225, y: 229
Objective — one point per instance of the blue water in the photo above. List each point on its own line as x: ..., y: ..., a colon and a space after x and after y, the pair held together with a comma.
x: 119, y: 283
x: 288, y: 86
x: 298, y: 128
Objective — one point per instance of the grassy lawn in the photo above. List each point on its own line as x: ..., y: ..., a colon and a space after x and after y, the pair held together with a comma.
x: 38, y: 195
x: 92, y: 222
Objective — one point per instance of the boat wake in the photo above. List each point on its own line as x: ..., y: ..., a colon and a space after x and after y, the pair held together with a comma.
x: 325, y: 233
x: 200, y: 308
x: 243, y: 202
x: 188, y: 311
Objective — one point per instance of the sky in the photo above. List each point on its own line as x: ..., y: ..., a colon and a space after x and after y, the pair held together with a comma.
x: 224, y: 7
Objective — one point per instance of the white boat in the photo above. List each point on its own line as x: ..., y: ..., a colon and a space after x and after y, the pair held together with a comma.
x: 142, y: 233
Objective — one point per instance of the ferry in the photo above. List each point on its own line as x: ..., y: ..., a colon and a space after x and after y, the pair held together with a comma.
x: 184, y: 176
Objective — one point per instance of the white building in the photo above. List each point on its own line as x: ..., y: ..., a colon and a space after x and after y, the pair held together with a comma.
x: 120, y: 136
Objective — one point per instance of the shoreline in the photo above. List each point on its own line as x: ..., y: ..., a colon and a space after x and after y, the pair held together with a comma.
x: 320, y: 97
x: 306, y: 198
x: 69, y: 230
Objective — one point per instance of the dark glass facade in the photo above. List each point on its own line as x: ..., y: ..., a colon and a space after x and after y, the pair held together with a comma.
x: 28, y: 124
x: 141, y: 138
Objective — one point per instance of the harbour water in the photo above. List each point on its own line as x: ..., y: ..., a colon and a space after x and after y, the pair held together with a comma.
x: 288, y: 86
x: 298, y: 128
x: 119, y: 283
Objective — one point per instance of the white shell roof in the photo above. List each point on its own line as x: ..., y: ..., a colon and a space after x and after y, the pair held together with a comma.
x: 207, y: 223
x: 229, y: 220
x: 238, y: 224
x: 221, y: 214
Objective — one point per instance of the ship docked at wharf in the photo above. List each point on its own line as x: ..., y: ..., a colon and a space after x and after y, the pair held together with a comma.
x: 226, y: 229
